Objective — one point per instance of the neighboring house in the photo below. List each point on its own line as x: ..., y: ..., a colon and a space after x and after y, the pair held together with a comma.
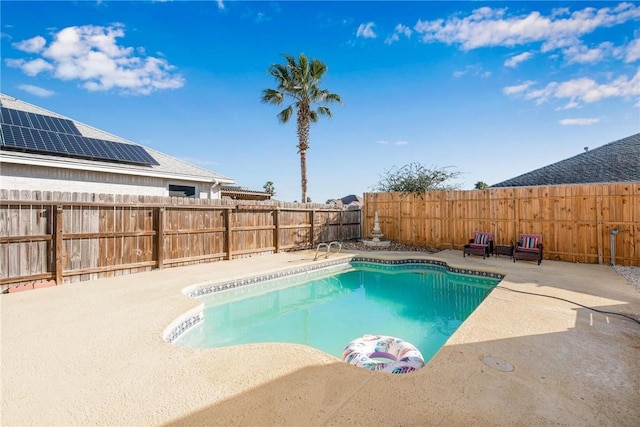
x: 42, y: 150
x: 243, y: 193
x: 618, y: 161
x: 349, y: 202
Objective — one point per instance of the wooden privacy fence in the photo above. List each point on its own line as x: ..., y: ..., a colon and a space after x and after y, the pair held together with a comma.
x: 575, y: 221
x: 65, y: 237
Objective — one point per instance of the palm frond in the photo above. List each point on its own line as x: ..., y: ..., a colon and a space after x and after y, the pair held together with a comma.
x: 285, y: 114
x: 318, y: 68
x: 324, y: 111
x: 333, y: 97
x: 291, y: 61
x: 272, y: 96
x: 303, y: 64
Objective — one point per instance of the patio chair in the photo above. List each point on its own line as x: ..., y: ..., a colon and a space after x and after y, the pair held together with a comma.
x: 481, y: 244
x: 529, y: 247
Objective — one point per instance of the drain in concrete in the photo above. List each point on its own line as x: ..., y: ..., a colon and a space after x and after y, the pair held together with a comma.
x: 498, y: 364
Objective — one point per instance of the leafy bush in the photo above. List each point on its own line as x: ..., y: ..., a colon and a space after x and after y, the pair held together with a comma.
x: 417, y: 178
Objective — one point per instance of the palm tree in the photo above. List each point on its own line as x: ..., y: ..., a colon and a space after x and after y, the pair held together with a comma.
x: 299, y: 81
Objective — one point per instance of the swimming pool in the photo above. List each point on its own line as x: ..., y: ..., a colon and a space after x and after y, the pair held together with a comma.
x: 420, y: 301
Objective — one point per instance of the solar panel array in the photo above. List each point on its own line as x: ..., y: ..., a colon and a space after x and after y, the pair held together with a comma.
x: 38, y: 121
x: 26, y: 131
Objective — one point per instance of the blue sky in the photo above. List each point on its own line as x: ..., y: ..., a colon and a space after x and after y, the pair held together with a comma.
x: 491, y: 89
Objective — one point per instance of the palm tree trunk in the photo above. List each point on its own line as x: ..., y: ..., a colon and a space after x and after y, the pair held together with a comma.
x: 303, y: 144
x: 303, y: 174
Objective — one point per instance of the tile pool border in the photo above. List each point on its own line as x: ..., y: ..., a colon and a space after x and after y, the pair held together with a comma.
x: 197, y: 291
x: 417, y: 263
x: 193, y: 317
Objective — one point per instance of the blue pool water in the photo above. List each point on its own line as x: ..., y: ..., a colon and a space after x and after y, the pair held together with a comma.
x: 420, y: 304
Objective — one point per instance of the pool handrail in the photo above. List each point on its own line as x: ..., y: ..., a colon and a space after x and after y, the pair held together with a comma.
x: 328, y: 246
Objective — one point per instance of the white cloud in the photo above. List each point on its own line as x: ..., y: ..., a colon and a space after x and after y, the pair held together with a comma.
x: 220, y: 4
x: 517, y: 59
x: 398, y: 31
x: 91, y: 55
x: 579, y: 122
x: 32, y: 45
x: 36, y: 90
x: 632, y: 53
x: 579, y: 53
x: 561, y: 11
x: 30, y: 68
x: 366, y: 31
x: 403, y: 29
x: 392, y: 39
x: 512, y: 90
x: 580, y: 91
x: 473, y: 70
x: 568, y: 106
x: 589, y: 91
x: 262, y: 17
x: 486, y: 27
x: 399, y: 142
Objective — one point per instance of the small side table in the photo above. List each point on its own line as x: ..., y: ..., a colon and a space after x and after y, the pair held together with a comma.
x: 473, y: 250
x: 503, y: 250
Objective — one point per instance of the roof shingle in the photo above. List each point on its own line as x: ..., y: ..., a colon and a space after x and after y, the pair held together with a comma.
x: 617, y: 161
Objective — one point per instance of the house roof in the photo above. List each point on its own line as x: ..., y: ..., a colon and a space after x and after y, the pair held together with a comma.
x: 617, y: 161
x: 243, y: 193
x: 351, y: 198
x: 167, y: 167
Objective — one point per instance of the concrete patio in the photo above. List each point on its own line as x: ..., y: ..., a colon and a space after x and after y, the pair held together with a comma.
x: 92, y: 353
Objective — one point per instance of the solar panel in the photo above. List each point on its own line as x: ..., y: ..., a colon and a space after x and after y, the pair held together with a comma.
x: 12, y: 136
x: 14, y: 117
x: 44, y: 141
x: 100, y: 148
x: 50, y: 142
x: 38, y: 121
x: 30, y: 139
x: 74, y: 144
x: 137, y: 153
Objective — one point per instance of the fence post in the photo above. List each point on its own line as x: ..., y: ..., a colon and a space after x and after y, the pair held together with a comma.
x: 59, y: 251
x: 312, y: 237
x: 451, y: 204
x: 599, y: 236
x: 227, y: 225
x: 400, y: 220
x: 365, y: 202
x: 276, y: 229
x: 160, y: 238
x: 516, y: 216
